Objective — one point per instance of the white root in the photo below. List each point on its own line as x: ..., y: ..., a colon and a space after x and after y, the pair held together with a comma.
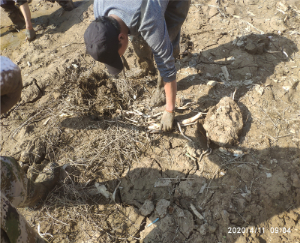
x: 155, y: 115
x: 188, y: 124
x: 154, y: 126
x: 114, y: 193
x: 186, y: 106
x: 196, y: 212
x: 179, y: 127
x: 192, y: 119
x: 102, y: 190
x: 138, y: 113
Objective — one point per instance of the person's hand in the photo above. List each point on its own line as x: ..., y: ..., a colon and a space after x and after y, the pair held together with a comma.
x: 30, y: 34
x: 166, y: 123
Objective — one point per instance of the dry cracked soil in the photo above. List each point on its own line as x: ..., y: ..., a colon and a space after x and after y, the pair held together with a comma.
x: 122, y: 183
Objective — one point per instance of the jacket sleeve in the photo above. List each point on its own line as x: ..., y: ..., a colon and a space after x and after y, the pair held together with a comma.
x: 20, y: 2
x: 153, y: 29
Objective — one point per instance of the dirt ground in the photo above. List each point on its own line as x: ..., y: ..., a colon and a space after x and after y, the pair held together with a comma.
x: 120, y: 182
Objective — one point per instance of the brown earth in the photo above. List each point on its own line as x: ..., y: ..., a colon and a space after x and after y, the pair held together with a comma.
x: 117, y: 177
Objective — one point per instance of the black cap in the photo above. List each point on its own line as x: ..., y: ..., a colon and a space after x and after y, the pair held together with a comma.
x: 101, y: 40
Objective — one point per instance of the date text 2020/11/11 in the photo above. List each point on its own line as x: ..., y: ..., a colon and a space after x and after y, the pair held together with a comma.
x: 243, y: 230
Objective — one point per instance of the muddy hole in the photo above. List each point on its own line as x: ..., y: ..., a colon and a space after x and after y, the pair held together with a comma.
x: 100, y: 94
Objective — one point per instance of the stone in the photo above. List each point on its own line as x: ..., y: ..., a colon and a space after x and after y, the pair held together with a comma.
x: 251, y: 2
x: 147, y: 208
x: 34, y: 152
x: 162, y: 207
x: 277, y: 24
x: 186, y: 223
x: 212, y: 229
x: 225, y: 217
x: 295, y: 180
x: 128, y: 218
x: 30, y: 93
x: 230, y: 11
x: 212, y: 83
x: 203, y: 229
x: 224, y: 123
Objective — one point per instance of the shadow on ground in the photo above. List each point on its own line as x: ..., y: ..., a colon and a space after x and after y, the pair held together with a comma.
x: 241, y: 193
x: 227, y: 191
x: 60, y: 21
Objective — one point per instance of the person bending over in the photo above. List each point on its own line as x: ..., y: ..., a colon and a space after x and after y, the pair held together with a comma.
x: 154, y: 27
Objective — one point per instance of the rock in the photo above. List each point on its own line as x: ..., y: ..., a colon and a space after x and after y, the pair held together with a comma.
x: 276, y: 185
x: 225, y: 217
x: 24, y: 167
x: 128, y: 218
x: 277, y: 24
x: 147, y: 208
x: 240, y: 204
x: 161, y: 207
x: 238, y: 153
x: 238, y: 43
x: 179, y: 212
x: 224, y: 122
x: 203, y: 229
x: 56, y: 95
x: 282, y: 6
x: 256, y: 44
x: 248, y: 218
x: 269, y: 175
x: 186, y: 223
x: 230, y: 11
x: 248, y: 82
x: 245, y: 172
x: 212, y: 83
x: 234, y: 219
x: 49, y: 176
x: 33, y: 171
x: 259, y: 89
x: 27, y: 82
x: 295, y: 180
x: 103, y: 190
x: 163, y: 183
x: 212, y: 229
x: 224, y: 151
x: 251, y: 2
x: 34, y: 152
x: 191, y: 188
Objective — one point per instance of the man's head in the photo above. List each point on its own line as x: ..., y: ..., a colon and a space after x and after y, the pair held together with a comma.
x: 106, y: 43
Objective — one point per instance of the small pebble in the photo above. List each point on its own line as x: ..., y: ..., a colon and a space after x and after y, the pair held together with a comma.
x: 212, y: 83
x: 269, y: 175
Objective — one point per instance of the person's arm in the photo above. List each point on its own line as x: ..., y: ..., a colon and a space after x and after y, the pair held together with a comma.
x: 27, y: 15
x: 171, y: 90
x: 30, y: 33
x: 168, y: 116
x: 153, y: 29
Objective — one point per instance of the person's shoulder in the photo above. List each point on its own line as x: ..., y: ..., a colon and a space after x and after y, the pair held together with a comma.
x: 7, y: 65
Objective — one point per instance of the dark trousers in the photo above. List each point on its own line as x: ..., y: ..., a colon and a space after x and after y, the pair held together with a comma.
x: 14, y: 13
